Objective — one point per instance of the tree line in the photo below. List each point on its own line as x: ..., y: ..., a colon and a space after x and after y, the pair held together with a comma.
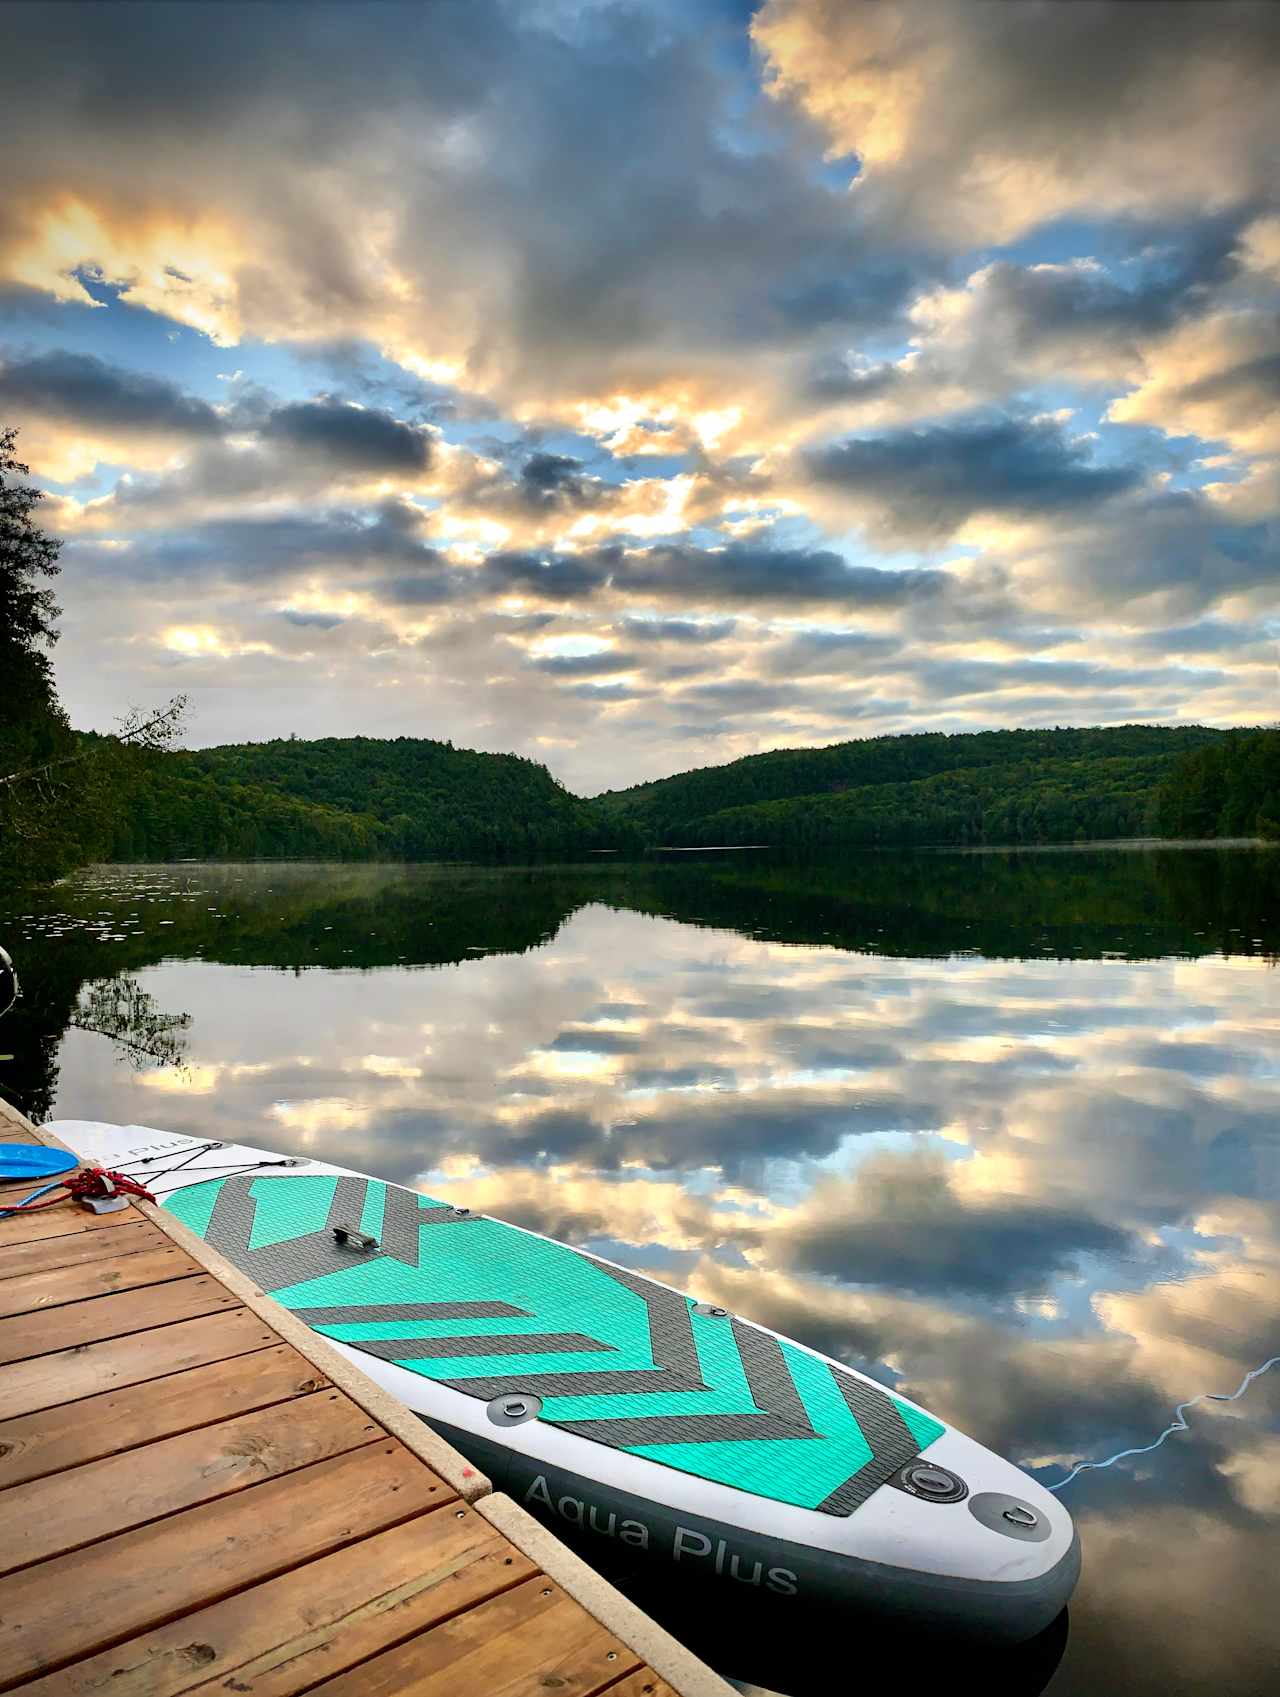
x: 980, y: 788
x: 352, y: 798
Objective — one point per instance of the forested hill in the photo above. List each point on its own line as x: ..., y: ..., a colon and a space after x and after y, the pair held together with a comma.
x: 361, y: 798
x: 352, y: 798
x: 982, y: 787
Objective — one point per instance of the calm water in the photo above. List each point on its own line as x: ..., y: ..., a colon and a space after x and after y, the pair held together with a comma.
x: 999, y: 1129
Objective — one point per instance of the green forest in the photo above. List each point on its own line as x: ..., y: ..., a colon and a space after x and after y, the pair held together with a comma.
x: 408, y: 798
x: 985, y: 787
x: 352, y: 798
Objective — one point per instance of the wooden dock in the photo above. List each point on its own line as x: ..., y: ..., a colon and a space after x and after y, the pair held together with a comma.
x: 199, y: 1495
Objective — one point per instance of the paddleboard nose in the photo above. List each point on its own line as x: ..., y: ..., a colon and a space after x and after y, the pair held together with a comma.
x: 981, y: 1540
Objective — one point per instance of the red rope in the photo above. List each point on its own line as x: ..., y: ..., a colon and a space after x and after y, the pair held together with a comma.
x: 91, y: 1181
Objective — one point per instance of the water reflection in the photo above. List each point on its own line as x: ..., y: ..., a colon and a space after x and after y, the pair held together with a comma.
x: 1000, y: 1130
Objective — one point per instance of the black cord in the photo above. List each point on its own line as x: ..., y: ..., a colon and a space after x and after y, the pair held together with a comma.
x: 242, y: 1167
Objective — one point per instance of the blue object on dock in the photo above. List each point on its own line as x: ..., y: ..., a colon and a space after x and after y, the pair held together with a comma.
x: 30, y: 1160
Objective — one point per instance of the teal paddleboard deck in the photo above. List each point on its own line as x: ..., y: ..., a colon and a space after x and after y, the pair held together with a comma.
x: 493, y: 1311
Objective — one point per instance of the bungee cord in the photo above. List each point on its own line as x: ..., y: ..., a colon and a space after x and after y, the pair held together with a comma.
x: 225, y: 1170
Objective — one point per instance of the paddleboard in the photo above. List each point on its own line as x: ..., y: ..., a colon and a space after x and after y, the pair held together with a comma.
x: 612, y: 1404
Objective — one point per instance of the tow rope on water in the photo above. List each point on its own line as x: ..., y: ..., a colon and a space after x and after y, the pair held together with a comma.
x: 1179, y: 1423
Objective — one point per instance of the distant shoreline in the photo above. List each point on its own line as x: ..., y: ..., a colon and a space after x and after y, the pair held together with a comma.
x: 1108, y: 843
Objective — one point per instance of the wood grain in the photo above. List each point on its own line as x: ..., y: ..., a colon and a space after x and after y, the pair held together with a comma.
x: 111, y: 1317
x: 21, y: 1260
x: 63, y: 1610
x: 522, y: 1643
x: 281, y: 1637
x: 34, y: 1445
x: 65, y: 1221
x: 42, y: 1291
x: 85, y: 1370
x: 643, y: 1683
x: 68, y: 1510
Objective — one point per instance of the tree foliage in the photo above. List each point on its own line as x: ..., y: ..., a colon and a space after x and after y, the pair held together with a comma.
x: 33, y: 728
x: 1229, y: 789
x: 352, y: 798
x: 986, y: 787
x: 59, y: 793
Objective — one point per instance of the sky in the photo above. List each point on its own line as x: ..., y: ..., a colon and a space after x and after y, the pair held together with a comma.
x: 637, y: 384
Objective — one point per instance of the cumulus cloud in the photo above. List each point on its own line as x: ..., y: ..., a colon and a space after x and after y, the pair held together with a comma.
x: 96, y: 396
x: 977, y: 122
x: 681, y: 631
x: 356, y: 438
x: 419, y: 218
x: 1218, y: 378
x: 903, y: 1222
x: 925, y: 482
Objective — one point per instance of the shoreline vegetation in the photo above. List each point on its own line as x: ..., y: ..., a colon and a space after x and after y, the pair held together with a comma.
x: 413, y: 799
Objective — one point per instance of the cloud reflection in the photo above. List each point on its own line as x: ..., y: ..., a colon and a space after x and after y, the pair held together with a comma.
x: 1035, y: 1194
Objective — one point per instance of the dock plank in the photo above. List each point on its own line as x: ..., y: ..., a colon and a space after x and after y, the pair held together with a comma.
x: 21, y: 1260
x: 281, y: 1637
x: 520, y: 1644
x: 68, y: 1510
x: 65, y: 1221
x: 34, y: 1445
x: 50, y: 1381
x: 75, y: 1605
x: 643, y: 1683
x: 111, y: 1317
x: 42, y: 1291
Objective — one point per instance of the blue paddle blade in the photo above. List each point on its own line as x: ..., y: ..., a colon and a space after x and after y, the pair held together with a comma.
x: 31, y: 1160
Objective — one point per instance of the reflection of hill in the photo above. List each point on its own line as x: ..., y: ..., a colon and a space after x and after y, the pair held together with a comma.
x: 1139, y: 904
x: 288, y: 917
x: 1135, y: 904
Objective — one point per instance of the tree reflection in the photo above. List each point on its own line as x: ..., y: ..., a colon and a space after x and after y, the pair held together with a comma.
x: 122, y: 1011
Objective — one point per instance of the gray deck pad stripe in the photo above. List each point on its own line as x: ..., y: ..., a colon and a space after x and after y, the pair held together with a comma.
x: 887, y: 1433
x: 310, y: 1255
x: 684, y: 1429
x: 604, y: 1383
x: 383, y: 1313
x: 515, y: 1343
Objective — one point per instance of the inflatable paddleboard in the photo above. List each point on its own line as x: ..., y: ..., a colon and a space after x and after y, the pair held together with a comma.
x: 606, y: 1401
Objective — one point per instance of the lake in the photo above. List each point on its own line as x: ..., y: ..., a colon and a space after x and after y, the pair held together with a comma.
x: 1001, y: 1129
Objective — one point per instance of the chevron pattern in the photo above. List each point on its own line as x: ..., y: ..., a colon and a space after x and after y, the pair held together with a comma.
x: 489, y: 1310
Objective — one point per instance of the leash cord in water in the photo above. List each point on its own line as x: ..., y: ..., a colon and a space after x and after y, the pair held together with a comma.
x: 1179, y: 1423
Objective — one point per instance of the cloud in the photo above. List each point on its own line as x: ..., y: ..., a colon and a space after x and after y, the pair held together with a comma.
x: 1165, y: 554
x: 926, y: 482
x: 96, y: 396
x: 901, y: 1222
x: 764, y: 572
x: 979, y: 122
x: 584, y: 665
x: 548, y: 480
x: 419, y: 219
x: 1217, y: 378
x: 682, y: 631
x: 834, y: 384
x: 357, y: 438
